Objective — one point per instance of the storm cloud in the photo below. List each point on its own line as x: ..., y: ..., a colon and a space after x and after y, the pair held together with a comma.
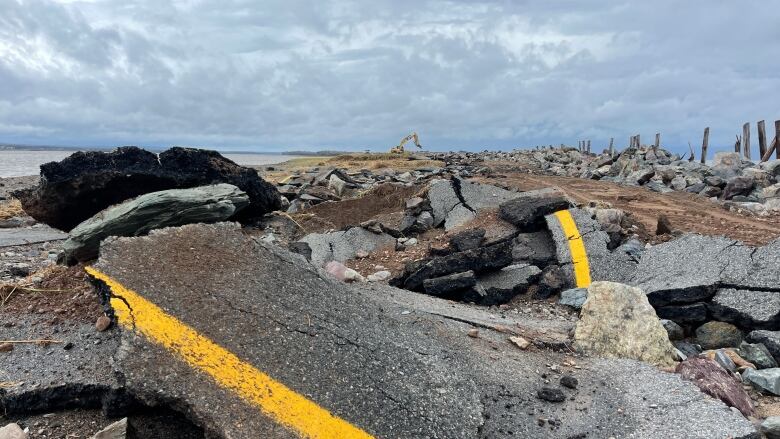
x: 277, y: 75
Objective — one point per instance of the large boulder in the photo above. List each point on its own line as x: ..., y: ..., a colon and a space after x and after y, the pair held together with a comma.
x: 617, y: 321
x: 345, y: 244
x: 175, y: 207
x: 716, y: 382
x: 78, y: 187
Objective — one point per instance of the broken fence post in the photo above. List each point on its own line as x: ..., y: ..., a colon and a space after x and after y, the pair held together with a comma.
x: 588, y: 146
x: 777, y: 139
x: 704, y: 144
x: 611, y: 149
x: 738, y: 144
x: 657, y: 140
x: 761, y: 138
x: 746, y: 139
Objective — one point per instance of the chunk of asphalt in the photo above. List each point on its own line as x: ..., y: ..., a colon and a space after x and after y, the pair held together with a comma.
x: 746, y: 308
x: 343, y: 245
x: 687, y: 269
x: 688, y: 314
x: 451, y: 283
x: 535, y: 248
x: 615, y: 266
x: 478, y: 260
x: 502, y: 285
x: 467, y: 239
x: 530, y: 207
x: 364, y: 352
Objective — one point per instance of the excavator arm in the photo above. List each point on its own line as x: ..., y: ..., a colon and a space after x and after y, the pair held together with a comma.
x: 400, y: 148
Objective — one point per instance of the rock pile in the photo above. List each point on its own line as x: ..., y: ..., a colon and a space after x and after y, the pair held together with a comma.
x: 728, y: 177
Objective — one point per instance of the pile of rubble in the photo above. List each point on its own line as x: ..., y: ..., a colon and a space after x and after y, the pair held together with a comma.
x: 754, y: 187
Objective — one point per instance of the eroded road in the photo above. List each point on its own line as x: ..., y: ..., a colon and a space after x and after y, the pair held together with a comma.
x: 252, y: 341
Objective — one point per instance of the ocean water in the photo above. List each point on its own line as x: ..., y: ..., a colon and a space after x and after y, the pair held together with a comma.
x: 16, y: 163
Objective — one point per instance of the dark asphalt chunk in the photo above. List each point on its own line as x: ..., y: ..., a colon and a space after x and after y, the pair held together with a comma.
x: 392, y: 362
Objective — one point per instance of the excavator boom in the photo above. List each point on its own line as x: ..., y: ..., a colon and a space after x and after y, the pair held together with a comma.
x: 400, y: 148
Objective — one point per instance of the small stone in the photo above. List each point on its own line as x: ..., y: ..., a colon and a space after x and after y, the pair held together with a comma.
x: 379, y: 276
x: 569, y: 381
x: 757, y: 354
x: 664, y: 226
x: 716, y: 335
x: 6, y: 347
x: 102, y: 323
x: 12, y: 431
x: 674, y: 330
x: 67, y: 346
x: 520, y: 342
x: 767, y: 380
x: 117, y: 430
x: 551, y: 394
x: 574, y: 297
x: 771, y: 427
x: 473, y: 333
x: 360, y: 254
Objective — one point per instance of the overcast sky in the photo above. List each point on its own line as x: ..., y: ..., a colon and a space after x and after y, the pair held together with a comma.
x: 279, y: 75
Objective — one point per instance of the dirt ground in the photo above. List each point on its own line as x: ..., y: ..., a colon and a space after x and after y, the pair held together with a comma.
x: 687, y: 212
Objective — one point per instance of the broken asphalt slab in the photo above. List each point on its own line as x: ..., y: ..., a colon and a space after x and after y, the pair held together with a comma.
x: 30, y: 235
x: 581, y: 248
x: 389, y: 362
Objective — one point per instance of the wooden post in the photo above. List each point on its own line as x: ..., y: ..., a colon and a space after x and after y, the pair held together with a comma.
x: 588, y: 146
x: 777, y: 139
x: 738, y: 144
x: 704, y: 143
x: 768, y: 153
x: 611, y: 149
x: 746, y: 139
x: 693, y: 155
x: 761, y: 138
x: 637, y: 141
x: 657, y: 140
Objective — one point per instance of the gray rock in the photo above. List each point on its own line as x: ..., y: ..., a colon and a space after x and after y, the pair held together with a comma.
x: 174, y: 207
x: 746, y: 308
x: 713, y: 380
x: 618, y: 322
x: 501, y: 286
x: 452, y: 283
x: 715, y: 335
x: 674, y: 330
x: 679, y: 183
x: 551, y: 394
x: 725, y: 361
x: 117, y: 430
x: 766, y: 380
x: 770, y: 339
x: 770, y: 427
x: 687, y: 348
x: 425, y: 221
x: 12, y: 431
x: 738, y: 186
x: 455, y: 202
x: 757, y: 354
x: 634, y: 248
x: 574, y: 297
x: 530, y: 207
x: 443, y: 199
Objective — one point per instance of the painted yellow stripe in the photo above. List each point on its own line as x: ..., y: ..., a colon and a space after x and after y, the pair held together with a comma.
x: 579, y: 257
x: 285, y: 179
x: 273, y: 398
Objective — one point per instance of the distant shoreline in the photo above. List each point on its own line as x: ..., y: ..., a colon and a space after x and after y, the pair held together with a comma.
x: 8, y: 147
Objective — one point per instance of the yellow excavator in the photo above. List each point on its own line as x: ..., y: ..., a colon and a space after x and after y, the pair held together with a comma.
x: 400, y: 148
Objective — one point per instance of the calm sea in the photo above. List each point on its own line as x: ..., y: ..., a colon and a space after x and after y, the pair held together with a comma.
x: 19, y: 163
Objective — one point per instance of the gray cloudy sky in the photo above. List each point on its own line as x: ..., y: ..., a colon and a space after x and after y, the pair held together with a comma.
x: 275, y: 75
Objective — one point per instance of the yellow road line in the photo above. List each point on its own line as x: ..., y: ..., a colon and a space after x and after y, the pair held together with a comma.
x: 285, y: 179
x: 579, y: 257
x: 273, y: 398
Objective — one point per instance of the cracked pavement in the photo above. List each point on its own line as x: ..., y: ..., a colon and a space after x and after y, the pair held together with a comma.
x: 392, y: 362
